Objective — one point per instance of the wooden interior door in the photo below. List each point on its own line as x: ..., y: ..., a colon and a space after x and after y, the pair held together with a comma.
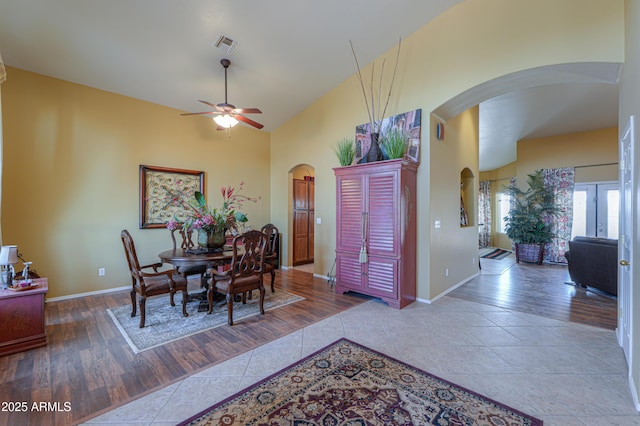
x: 312, y: 219
x: 303, y: 217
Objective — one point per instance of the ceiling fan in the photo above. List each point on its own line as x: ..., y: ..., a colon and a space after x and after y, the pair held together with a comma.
x: 225, y: 114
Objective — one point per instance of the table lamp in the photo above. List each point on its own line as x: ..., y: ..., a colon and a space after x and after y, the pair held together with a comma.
x: 8, y: 258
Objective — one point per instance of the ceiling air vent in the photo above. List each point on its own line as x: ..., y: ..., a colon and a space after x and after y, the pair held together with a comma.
x: 225, y: 42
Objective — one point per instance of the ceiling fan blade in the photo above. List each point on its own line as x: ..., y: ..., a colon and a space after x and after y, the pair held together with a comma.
x: 227, y: 108
x: 248, y: 121
x: 201, y: 113
x: 247, y: 111
x: 210, y: 104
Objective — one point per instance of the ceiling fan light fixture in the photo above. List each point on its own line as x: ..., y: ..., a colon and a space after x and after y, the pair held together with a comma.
x: 225, y: 121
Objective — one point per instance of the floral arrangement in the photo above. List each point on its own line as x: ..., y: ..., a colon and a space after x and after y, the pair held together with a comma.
x: 213, y: 219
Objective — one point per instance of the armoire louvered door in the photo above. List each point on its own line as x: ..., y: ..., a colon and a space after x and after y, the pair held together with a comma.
x: 375, y: 244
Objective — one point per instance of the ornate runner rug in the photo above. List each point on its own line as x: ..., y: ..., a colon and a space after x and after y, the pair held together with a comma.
x: 164, y: 323
x: 494, y: 253
x: 349, y: 384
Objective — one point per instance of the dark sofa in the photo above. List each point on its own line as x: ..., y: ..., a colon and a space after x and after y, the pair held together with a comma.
x: 593, y: 262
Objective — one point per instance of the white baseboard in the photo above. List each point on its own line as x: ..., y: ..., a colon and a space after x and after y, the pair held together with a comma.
x: 634, y: 393
x: 89, y: 293
x: 447, y: 291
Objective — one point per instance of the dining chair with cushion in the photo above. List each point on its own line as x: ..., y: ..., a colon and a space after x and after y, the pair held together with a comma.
x: 245, y: 274
x: 148, y: 281
x: 186, y: 243
x: 270, y: 253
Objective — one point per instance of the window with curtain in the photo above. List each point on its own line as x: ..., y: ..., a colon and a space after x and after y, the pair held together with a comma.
x: 503, y: 206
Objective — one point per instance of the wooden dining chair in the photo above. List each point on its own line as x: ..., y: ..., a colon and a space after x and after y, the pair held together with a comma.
x: 245, y: 274
x: 186, y: 242
x: 270, y: 253
x: 147, y: 283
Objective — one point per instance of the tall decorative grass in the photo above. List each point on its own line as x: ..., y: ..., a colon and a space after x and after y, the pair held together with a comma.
x: 345, y: 151
x: 394, y: 143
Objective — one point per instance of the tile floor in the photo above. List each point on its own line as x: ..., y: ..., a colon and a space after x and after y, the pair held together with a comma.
x: 563, y: 373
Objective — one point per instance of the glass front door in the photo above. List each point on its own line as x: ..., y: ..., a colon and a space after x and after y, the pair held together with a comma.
x: 595, y: 210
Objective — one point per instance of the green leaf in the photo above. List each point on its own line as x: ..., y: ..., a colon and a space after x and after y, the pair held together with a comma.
x: 200, y: 199
x: 345, y: 151
x: 241, y: 217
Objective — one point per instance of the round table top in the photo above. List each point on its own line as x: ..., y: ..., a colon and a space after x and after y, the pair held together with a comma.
x: 180, y: 257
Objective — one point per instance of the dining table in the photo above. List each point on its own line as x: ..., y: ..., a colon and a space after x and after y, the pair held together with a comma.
x: 197, y: 257
x: 181, y: 258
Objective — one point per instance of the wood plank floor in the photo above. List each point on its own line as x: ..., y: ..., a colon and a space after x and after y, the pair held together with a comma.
x: 541, y: 290
x: 88, y: 363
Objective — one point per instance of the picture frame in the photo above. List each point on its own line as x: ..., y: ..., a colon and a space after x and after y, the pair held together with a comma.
x: 162, y: 190
x: 410, y: 122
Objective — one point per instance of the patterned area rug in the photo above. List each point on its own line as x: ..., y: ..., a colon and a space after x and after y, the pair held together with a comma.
x: 494, y: 253
x: 349, y: 384
x: 164, y: 323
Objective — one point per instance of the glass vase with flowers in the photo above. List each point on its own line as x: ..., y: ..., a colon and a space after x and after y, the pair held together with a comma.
x: 212, y: 223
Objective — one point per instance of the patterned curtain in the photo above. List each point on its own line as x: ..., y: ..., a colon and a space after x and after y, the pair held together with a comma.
x: 513, y: 182
x: 562, y: 180
x: 484, y: 214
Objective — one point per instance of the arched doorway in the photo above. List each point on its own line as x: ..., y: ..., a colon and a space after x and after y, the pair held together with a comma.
x: 302, y: 217
x: 503, y: 91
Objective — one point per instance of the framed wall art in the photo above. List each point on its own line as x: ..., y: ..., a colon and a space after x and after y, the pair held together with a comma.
x: 162, y: 190
x: 409, y: 122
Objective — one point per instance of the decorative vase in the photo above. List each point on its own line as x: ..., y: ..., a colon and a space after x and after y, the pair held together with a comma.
x: 374, y: 154
x: 211, y: 239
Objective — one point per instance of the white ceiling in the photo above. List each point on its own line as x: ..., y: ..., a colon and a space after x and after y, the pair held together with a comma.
x: 543, y: 111
x: 289, y: 54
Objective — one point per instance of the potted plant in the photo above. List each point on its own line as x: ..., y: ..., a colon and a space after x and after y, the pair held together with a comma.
x: 345, y: 151
x: 528, y: 223
x: 212, y: 223
x: 394, y: 144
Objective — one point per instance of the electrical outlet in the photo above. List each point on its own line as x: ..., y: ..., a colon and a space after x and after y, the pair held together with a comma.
x: 473, y: 260
x: 102, y: 272
x: 446, y: 272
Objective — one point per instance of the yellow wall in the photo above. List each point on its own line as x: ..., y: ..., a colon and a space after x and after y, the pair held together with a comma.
x: 454, y: 249
x: 83, y: 146
x: 471, y: 43
x: 579, y: 150
x: 70, y: 175
x: 586, y: 151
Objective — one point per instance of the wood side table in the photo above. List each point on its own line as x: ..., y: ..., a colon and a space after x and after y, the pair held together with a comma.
x: 22, y: 324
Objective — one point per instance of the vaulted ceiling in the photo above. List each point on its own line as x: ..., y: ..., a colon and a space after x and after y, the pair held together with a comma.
x: 286, y: 54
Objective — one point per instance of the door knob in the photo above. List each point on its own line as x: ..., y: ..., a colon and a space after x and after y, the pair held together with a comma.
x: 625, y: 263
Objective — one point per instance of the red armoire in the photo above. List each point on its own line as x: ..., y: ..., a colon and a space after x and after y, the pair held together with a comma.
x: 376, y: 230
